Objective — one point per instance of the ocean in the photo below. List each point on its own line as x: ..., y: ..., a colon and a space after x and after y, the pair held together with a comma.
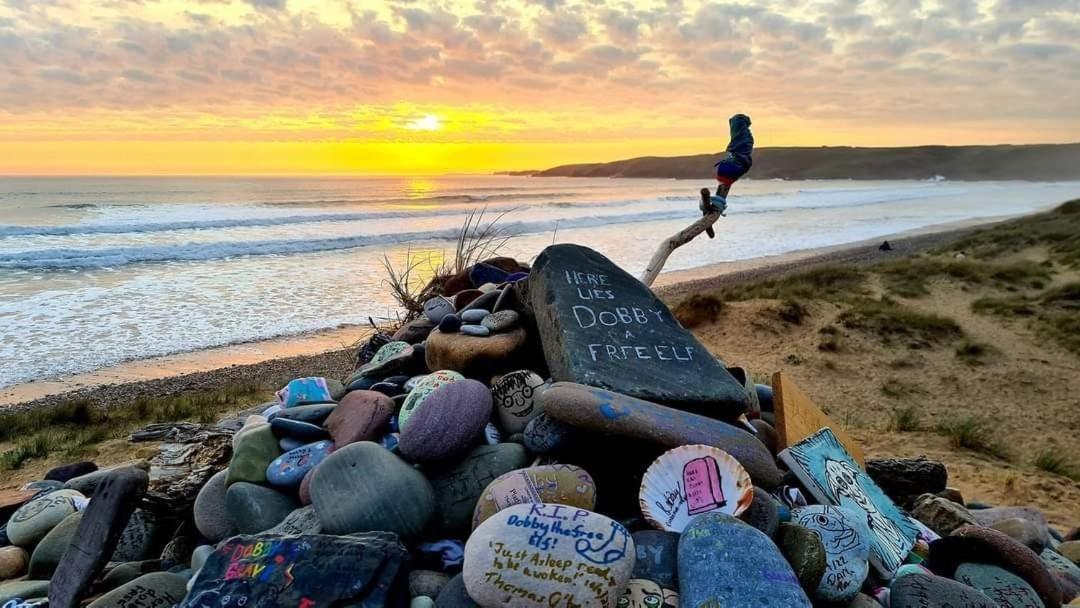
x: 96, y: 271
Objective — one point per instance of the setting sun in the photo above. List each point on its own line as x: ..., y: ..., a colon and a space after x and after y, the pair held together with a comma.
x: 427, y: 123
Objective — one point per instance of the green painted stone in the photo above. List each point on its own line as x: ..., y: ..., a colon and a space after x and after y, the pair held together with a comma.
x: 47, y: 553
x: 804, y: 551
x: 423, y: 390
x: 155, y: 590
x: 253, y: 451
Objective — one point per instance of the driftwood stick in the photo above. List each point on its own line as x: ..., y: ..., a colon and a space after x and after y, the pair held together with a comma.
x: 677, y: 240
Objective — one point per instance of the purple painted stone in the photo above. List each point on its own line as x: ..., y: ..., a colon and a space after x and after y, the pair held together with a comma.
x: 289, y: 469
x: 452, y: 419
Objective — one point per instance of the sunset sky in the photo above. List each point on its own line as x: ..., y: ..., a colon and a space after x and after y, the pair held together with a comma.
x: 307, y: 86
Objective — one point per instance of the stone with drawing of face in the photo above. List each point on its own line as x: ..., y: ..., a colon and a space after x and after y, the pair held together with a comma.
x: 643, y: 593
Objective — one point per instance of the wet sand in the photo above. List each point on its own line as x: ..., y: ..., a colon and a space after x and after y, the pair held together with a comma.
x: 271, y: 362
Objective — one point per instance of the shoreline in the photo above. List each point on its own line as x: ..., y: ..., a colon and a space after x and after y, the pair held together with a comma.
x: 329, y: 352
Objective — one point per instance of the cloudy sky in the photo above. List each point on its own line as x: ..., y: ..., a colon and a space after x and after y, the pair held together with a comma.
x: 297, y: 86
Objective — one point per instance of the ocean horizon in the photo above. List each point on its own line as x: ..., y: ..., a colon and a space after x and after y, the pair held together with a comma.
x: 95, y: 271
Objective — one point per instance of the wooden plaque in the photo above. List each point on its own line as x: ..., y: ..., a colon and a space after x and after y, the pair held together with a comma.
x: 798, y: 418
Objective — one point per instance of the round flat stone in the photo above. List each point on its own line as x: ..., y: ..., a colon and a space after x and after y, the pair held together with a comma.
x: 209, y: 512
x: 426, y: 583
x: 498, y: 322
x: 454, y: 595
x: 389, y: 359
x: 23, y: 590
x: 289, y: 469
x: 363, y: 487
x: 451, y: 420
x: 49, y: 551
x: 763, y: 514
x: 304, y: 431
x: 314, y: 414
x: 14, y: 561
x: 302, y: 391
x: 473, y: 315
x: 726, y: 562
x: 361, y: 416
x: 477, y: 331
x: 478, y: 357
x: 437, y: 308
x: 467, y: 297
x: 516, y: 399
x: 540, y: 555
x: 154, y: 590
x: 253, y: 508
x: 458, y: 488
x: 485, y: 301
x: 423, y: 389
x: 554, y: 483
x: 450, y: 324
x: 919, y: 590
x: 32, y: 521
x: 301, y: 521
x: 998, y: 584
x: 846, y: 539
x: 288, y: 444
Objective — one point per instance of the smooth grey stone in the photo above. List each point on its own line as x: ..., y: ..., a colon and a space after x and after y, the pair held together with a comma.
x: 473, y: 315
x: 478, y: 331
x: 301, y: 521
x: 23, y: 590
x: 253, y: 508
x: 209, y: 512
x: 154, y: 590
x: 200, y: 555
x: 459, y: 488
x: 919, y: 590
x: 48, y: 553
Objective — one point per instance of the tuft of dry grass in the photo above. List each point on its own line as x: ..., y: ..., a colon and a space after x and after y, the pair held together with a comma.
x: 828, y: 283
x: 1053, y: 461
x: 698, y: 310
x: 911, y: 278
x: 890, y: 321
x: 1057, y: 230
x: 975, y: 434
x: 975, y: 353
x: 905, y: 419
x: 1054, y: 314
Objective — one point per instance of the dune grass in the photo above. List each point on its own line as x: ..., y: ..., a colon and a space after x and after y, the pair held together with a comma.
x: 975, y: 353
x: 905, y: 419
x: 890, y: 321
x: 911, y: 278
x: 1054, y: 314
x: 698, y: 309
x: 72, y: 428
x: 975, y: 434
x: 828, y: 283
x: 1057, y: 230
x: 1053, y: 461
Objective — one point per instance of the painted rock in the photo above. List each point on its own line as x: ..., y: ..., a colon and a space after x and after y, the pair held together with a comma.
x: 363, y: 487
x: 544, y: 434
x: 288, y: 470
x: 304, y: 431
x: 514, y: 277
x: 459, y: 488
x: 476, y: 331
x: 986, y: 545
x: 313, y: 570
x: 516, y: 399
x: 48, y: 552
x: 725, y: 562
x: 764, y: 513
x: 69, y: 471
x: 492, y: 434
x: 361, y: 416
x: 654, y: 582
x: 806, y: 554
x: 437, y: 308
x: 140, y: 538
x: 154, y: 590
x: 1005, y: 588
x: 846, y: 539
x: 253, y: 450
x: 498, y: 322
x: 614, y: 414
x: 209, y: 512
x: 689, y: 480
x: 423, y: 390
x: 301, y: 521
x: 1064, y: 571
x: 388, y: 360
x: 919, y: 590
x: 313, y: 414
x: 305, y: 390
x: 474, y: 315
x: 450, y: 324
x: 477, y: 357
x: 539, y: 555
x: 32, y: 521
x: 485, y: 273
x: 454, y: 595
x: 254, y: 508
x: 562, y: 484
x: 450, y: 421
x: 14, y: 561
x: 941, y: 515
x: 602, y: 327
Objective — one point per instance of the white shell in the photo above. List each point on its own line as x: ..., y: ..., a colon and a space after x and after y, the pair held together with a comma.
x: 690, y: 480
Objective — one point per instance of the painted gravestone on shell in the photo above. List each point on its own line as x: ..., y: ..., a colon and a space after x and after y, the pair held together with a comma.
x: 831, y: 475
x: 602, y: 327
x: 690, y: 480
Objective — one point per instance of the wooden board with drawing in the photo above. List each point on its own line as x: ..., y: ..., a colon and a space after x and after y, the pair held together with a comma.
x: 797, y: 417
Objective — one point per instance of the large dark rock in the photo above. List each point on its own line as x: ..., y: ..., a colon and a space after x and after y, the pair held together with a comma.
x: 610, y: 413
x: 919, y: 590
x: 66, y: 472
x: 905, y: 478
x: 311, y: 570
x: 602, y: 327
x: 99, y: 531
x: 458, y: 488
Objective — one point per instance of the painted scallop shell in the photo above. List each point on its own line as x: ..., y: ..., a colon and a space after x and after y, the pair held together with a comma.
x: 690, y: 480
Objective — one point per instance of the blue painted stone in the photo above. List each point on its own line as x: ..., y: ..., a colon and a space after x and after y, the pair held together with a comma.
x: 390, y: 441
x: 297, y: 429
x: 545, y: 434
x: 657, y: 557
x: 288, y: 443
x: 919, y: 589
x: 437, y: 308
x: 486, y: 273
x: 516, y: 276
x: 475, y: 330
x: 492, y: 435
x: 846, y: 539
x: 450, y: 324
x: 288, y: 470
x: 313, y: 414
x: 302, y: 391
x: 725, y: 562
x: 474, y: 315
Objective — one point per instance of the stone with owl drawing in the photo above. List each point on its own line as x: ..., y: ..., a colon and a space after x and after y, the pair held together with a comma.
x: 846, y: 539
x: 516, y: 400
x: 554, y: 483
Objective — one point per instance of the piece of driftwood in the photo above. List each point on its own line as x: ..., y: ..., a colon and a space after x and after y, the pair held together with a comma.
x: 188, y: 455
x: 178, y: 432
x: 684, y: 236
